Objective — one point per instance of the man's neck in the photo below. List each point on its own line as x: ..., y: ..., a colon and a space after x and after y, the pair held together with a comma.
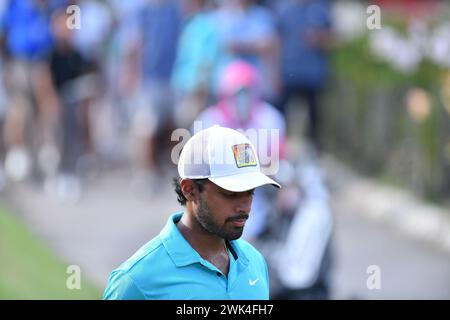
x: 205, y: 243
x: 208, y: 246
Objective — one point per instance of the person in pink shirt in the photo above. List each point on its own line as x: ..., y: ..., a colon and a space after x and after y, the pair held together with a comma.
x: 241, y: 107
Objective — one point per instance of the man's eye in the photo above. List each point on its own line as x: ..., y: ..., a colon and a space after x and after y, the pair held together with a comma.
x: 236, y: 194
x: 229, y: 194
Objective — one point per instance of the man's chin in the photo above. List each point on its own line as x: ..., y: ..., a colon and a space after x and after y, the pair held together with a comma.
x: 234, y: 235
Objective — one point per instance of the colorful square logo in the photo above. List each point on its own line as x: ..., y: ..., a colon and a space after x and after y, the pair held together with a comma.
x: 244, y: 155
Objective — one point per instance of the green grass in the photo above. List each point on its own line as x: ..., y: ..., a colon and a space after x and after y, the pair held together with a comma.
x: 29, y: 270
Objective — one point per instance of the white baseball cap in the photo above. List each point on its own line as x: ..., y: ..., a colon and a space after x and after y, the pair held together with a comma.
x: 224, y: 156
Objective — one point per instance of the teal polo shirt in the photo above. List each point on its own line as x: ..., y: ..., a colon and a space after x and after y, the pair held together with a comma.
x: 168, y: 268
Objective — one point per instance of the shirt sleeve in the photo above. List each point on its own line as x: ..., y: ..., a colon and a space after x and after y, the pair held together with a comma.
x: 122, y: 287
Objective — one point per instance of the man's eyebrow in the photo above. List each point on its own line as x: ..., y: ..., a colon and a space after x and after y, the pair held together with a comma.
x: 228, y: 192
x: 222, y: 190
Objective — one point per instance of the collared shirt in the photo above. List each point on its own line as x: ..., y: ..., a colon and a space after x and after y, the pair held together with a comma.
x: 168, y: 268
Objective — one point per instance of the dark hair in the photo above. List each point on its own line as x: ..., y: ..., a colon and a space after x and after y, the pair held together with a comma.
x: 180, y: 196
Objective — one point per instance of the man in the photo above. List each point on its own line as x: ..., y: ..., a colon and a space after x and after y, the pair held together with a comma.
x: 247, y: 31
x: 198, y: 255
x: 158, y: 27
x: 197, y: 53
x: 74, y: 85
x: 305, y: 28
x: 26, y: 30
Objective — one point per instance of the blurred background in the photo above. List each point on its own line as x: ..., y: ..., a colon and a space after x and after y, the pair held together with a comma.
x: 92, y: 90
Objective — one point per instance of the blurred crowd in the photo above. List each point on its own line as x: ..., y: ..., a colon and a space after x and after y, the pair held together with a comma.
x: 108, y: 80
x: 91, y: 85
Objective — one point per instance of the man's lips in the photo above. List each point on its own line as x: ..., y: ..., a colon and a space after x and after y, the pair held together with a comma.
x: 238, y: 222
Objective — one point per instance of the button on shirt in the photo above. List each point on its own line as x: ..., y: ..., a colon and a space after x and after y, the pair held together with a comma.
x: 167, y: 267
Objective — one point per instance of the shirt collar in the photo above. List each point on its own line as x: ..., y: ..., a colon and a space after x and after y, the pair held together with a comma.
x: 180, y: 251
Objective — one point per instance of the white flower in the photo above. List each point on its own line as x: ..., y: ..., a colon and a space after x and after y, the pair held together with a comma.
x: 408, y: 56
x: 383, y: 43
x: 439, y: 45
x: 349, y: 19
x: 402, y: 53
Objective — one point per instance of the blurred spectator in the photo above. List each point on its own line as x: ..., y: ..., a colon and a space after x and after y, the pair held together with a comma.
x: 152, y: 123
x: 74, y: 88
x: 93, y: 36
x: 305, y: 30
x: 92, y: 40
x: 197, y: 55
x: 27, y: 82
x: 123, y: 71
x: 247, y: 31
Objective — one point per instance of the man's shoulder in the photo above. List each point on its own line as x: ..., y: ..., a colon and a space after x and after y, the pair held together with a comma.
x: 127, y: 281
x: 152, y: 253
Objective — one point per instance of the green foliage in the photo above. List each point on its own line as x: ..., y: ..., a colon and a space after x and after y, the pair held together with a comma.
x: 355, y: 62
x: 415, y: 144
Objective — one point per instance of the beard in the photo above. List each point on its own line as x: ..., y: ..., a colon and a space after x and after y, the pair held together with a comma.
x: 206, y: 220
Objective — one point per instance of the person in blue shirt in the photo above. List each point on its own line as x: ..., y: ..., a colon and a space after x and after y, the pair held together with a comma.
x: 198, y: 254
x: 197, y: 53
x: 158, y: 23
x: 305, y: 28
x: 247, y: 31
x: 27, y: 41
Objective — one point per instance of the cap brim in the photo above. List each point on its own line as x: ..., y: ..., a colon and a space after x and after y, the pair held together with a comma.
x: 243, y: 182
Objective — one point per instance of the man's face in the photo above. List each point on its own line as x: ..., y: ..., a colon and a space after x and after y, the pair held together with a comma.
x: 223, y: 212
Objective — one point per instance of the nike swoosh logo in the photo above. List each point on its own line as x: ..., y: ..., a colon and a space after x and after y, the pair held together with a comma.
x: 253, y: 282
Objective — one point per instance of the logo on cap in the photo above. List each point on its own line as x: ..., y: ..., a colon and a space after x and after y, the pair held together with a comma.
x: 244, y: 155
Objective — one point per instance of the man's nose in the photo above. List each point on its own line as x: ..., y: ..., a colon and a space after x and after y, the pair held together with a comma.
x: 244, y: 203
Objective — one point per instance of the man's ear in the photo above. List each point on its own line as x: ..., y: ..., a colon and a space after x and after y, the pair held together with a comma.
x: 189, y: 189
